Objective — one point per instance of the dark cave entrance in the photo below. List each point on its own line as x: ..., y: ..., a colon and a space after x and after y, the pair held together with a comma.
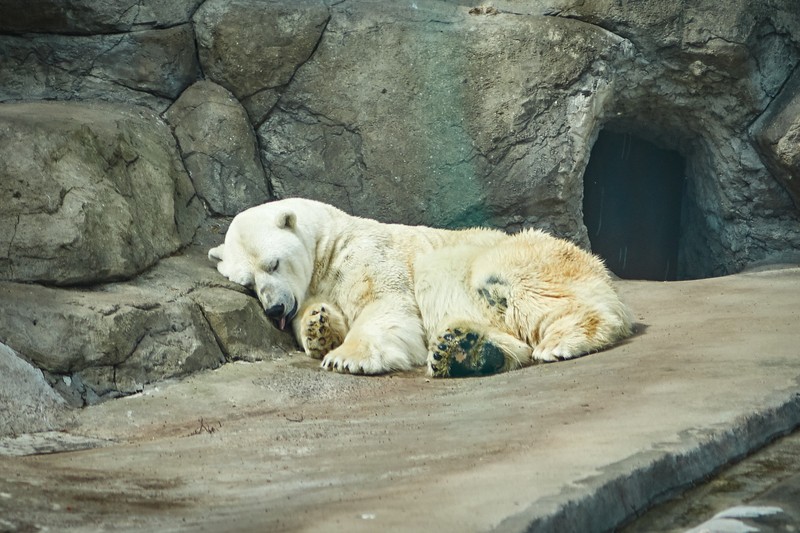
x: 632, y: 201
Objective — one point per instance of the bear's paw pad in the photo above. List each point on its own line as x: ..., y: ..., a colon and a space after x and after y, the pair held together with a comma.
x: 319, y: 334
x: 460, y: 353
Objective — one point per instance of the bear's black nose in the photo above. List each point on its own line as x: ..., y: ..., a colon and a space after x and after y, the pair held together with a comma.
x: 276, y: 311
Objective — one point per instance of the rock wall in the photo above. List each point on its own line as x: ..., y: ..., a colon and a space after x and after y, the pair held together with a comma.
x: 29, y: 403
x: 90, y: 193
x: 129, y: 131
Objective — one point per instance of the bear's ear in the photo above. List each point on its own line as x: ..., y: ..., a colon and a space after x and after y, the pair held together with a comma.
x: 217, y: 254
x: 287, y: 220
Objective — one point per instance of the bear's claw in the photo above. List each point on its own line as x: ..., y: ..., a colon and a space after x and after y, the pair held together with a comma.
x: 459, y: 354
x: 337, y: 363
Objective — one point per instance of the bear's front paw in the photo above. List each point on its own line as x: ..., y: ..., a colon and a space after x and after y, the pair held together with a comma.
x: 350, y: 363
x: 461, y: 353
x: 322, y: 330
x: 358, y: 355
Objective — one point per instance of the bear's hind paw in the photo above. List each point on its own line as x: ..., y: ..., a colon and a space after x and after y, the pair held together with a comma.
x: 461, y: 353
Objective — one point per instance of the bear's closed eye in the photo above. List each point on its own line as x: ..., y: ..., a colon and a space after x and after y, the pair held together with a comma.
x: 268, y: 265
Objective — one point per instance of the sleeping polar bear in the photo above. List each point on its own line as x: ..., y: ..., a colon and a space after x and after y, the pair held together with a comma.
x: 367, y: 297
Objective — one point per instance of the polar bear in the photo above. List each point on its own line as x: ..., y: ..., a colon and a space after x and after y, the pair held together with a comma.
x: 367, y: 297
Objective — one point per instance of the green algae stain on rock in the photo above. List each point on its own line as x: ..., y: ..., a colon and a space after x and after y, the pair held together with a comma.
x: 451, y: 181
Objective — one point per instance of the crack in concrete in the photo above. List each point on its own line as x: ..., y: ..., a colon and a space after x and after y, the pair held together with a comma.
x: 225, y: 170
x: 786, y: 40
x: 94, y: 60
x: 197, y: 60
x: 196, y: 9
x: 137, y: 7
x: 329, y: 125
x: 182, y: 158
x: 217, y: 339
x: 778, y: 93
x: 133, y: 350
x: 143, y: 90
x: 321, y: 118
x: 43, y: 57
x: 11, y: 241
x: 282, y: 88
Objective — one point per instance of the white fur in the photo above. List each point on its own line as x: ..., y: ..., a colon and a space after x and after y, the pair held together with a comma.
x: 389, y: 290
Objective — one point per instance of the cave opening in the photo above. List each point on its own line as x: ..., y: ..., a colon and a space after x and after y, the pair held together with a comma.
x: 632, y: 206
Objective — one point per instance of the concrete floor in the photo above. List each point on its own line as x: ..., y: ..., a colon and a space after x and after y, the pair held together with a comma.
x: 582, y: 445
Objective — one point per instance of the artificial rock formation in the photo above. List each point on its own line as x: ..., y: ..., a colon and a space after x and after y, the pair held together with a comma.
x: 219, y: 148
x: 89, y: 193
x: 255, y: 51
x: 778, y: 134
x: 163, y: 118
x: 36, y: 406
x: 113, y: 339
x: 149, y: 67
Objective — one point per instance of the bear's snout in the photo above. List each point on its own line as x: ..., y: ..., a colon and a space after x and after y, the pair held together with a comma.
x: 276, y: 311
x: 280, y: 316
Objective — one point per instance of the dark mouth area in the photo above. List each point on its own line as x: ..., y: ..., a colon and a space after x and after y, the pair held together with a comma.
x: 283, y: 322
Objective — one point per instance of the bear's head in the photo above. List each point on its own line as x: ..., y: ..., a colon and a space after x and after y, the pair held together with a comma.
x: 265, y: 251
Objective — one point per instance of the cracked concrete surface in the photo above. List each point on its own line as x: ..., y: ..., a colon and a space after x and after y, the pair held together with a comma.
x: 581, y: 445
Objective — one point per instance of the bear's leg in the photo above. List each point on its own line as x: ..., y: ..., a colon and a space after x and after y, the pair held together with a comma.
x: 576, y: 331
x: 385, y: 336
x: 320, y: 329
x: 466, y: 349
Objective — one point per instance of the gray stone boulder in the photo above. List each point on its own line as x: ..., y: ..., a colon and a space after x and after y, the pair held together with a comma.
x: 253, y: 49
x: 89, y: 193
x: 219, y: 149
x: 84, y: 17
x: 111, y: 340
x: 452, y: 116
x: 437, y: 116
x: 150, y: 67
x: 240, y: 326
x: 28, y: 402
x: 778, y: 136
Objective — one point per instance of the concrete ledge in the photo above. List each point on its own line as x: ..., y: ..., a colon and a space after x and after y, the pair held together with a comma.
x: 626, y: 489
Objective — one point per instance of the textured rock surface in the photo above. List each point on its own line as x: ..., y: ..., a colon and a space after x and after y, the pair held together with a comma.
x: 76, y: 17
x: 778, y: 135
x: 253, y: 49
x: 490, y: 117
x: 27, y: 402
x: 219, y: 150
x: 111, y: 340
x: 240, y: 326
x: 89, y: 193
x: 472, y: 115
x: 149, y: 67
x: 697, y: 78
